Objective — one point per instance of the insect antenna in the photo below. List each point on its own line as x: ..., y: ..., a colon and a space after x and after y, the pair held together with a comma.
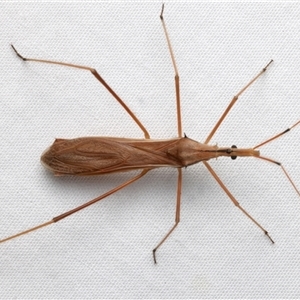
x: 276, y: 162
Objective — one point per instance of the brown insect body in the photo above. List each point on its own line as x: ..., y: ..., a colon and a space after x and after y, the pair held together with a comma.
x: 103, y: 155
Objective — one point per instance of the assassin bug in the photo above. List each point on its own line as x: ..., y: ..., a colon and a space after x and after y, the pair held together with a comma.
x: 103, y: 155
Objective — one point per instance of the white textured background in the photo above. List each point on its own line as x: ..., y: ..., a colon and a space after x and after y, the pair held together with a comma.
x: 105, y: 250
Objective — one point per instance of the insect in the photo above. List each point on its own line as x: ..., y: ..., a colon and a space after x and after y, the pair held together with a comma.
x: 103, y: 155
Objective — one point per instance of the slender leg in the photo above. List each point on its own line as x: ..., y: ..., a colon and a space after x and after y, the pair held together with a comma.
x: 66, y: 214
x: 177, y: 86
x: 179, y: 127
x: 96, y: 74
x: 235, y: 202
x: 177, y: 214
x: 234, y: 99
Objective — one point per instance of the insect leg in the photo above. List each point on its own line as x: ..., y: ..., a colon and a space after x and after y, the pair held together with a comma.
x: 177, y: 86
x: 235, y: 202
x: 66, y: 214
x: 234, y: 99
x: 96, y: 74
x: 177, y: 214
x: 179, y: 128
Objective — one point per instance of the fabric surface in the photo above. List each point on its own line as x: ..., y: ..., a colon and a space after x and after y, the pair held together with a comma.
x: 105, y: 251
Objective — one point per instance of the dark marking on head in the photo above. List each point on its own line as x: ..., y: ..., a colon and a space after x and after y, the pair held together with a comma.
x: 233, y: 147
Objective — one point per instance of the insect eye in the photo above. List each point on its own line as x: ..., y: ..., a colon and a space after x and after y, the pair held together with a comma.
x: 233, y: 147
